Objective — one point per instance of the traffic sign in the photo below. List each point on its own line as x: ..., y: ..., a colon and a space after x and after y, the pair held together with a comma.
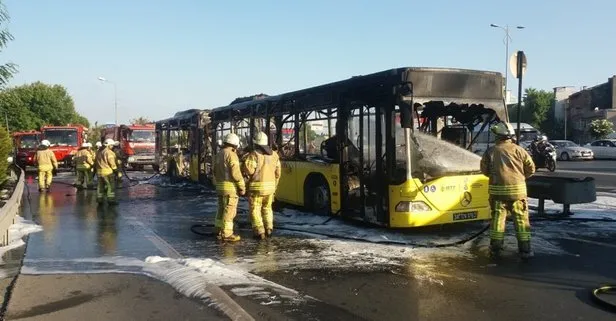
x: 514, y: 63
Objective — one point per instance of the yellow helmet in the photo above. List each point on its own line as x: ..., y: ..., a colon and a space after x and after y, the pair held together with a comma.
x: 260, y: 139
x: 503, y: 129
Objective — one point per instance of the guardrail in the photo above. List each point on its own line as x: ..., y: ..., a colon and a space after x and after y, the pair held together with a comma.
x: 10, y: 209
x: 561, y: 190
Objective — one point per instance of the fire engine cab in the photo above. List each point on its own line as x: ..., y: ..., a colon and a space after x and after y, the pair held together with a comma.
x: 137, y: 143
x: 65, y: 141
x: 25, y: 144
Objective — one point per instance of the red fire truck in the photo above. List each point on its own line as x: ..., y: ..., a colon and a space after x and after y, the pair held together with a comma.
x: 25, y: 144
x: 65, y: 141
x: 137, y: 143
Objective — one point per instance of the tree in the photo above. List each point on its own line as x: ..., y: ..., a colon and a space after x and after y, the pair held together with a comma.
x: 5, y: 149
x: 33, y: 105
x: 600, y: 128
x: 535, y: 108
x: 7, y: 70
x: 140, y: 121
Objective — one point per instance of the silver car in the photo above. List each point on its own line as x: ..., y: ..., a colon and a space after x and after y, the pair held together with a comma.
x: 568, y: 150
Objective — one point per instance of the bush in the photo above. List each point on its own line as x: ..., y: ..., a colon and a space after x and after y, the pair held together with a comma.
x: 6, y: 146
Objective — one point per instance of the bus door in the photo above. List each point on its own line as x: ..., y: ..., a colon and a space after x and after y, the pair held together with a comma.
x: 362, y: 169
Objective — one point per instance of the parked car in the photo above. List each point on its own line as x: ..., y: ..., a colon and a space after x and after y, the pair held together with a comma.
x: 603, y: 148
x: 568, y: 150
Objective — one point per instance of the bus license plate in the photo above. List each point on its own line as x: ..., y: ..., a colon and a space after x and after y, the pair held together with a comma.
x: 464, y: 216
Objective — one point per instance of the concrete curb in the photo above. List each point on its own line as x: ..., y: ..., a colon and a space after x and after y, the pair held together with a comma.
x: 10, y: 209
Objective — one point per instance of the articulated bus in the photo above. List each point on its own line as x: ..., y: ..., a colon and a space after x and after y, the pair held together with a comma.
x: 359, y: 148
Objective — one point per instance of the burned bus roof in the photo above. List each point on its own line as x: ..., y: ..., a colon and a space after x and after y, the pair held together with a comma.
x: 182, y: 115
x: 429, y: 83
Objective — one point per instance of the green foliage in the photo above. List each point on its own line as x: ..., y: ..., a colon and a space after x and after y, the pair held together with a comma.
x: 33, y: 105
x: 6, y: 146
x: 535, y: 108
x: 601, y: 128
x: 140, y: 121
x: 94, y: 134
x: 312, y: 135
x: 7, y: 70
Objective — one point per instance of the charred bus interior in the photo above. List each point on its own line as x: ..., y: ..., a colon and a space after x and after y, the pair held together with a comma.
x: 182, y: 145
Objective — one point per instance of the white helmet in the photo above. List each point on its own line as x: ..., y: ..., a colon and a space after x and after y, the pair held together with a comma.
x: 109, y: 142
x: 503, y: 129
x: 99, y: 144
x: 45, y: 142
x: 260, y: 139
x: 116, y: 143
x: 232, y: 139
x: 89, y: 145
x: 84, y: 145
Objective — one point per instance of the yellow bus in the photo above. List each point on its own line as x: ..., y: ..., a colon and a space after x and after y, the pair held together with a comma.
x: 370, y: 148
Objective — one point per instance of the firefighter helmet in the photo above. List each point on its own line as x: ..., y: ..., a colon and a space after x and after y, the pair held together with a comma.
x: 45, y: 142
x: 109, y: 142
x: 260, y: 139
x: 232, y: 139
x: 84, y: 145
x: 503, y: 129
x: 99, y: 144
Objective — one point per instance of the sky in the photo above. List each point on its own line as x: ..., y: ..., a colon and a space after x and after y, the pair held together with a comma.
x: 168, y: 56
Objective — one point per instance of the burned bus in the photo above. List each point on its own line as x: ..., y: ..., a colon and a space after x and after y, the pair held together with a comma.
x: 182, y: 145
x: 391, y: 148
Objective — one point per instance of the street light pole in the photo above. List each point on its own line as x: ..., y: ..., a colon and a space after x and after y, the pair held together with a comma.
x: 115, y: 96
x: 507, y: 39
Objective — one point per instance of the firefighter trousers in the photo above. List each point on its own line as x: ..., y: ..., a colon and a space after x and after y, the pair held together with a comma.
x: 500, y: 210
x: 227, y: 209
x: 261, y: 213
x: 44, y: 178
x: 84, y: 175
x: 106, y: 187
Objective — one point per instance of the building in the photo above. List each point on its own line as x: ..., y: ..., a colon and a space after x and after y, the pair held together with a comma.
x: 561, y: 99
x: 588, y: 104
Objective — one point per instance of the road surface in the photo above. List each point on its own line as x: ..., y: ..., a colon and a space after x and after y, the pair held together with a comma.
x: 603, y: 171
x: 306, y: 276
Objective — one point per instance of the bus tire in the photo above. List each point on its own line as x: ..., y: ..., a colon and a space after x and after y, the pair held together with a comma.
x: 317, y: 197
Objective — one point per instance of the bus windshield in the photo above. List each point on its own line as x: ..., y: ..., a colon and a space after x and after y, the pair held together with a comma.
x: 61, y: 137
x: 28, y: 141
x: 142, y: 136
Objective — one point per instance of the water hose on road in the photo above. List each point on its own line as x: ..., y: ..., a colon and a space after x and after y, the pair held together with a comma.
x: 602, y: 290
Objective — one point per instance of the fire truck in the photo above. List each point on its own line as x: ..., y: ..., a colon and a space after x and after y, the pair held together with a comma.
x: 137, y: 143
x: 65, y: 141
x: 25, y: 144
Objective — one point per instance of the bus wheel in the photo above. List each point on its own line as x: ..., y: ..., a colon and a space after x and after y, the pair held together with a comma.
x: 317, y: 198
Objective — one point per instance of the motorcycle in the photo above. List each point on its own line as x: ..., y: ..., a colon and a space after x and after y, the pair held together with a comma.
x: 546, y: 159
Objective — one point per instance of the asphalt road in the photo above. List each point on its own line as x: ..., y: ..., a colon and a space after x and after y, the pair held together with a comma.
x: 335, y: 279
x: 603, y: 171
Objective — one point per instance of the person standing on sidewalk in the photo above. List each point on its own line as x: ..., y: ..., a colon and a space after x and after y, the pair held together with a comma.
x: 262, y: 167
x: 508, y: 165
x: 105, y: 170
x: 229, y: 186
x: 46, y: 163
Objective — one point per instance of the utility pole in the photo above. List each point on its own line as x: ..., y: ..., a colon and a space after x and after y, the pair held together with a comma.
x: 507, y: 39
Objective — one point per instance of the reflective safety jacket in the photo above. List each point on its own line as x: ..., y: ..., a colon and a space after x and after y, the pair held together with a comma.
x: 227, y: 175
x: 263, y: 170
x: 105, y: 162
x: 83, y: 159
x: 507, y: 165
x: 45, y: 159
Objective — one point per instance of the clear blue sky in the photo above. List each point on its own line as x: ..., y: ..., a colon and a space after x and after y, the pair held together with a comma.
x: 167, y: 56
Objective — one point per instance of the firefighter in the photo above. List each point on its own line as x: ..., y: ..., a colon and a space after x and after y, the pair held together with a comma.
x: 229, y: 185
x: 262, y: 167
x: 99, y: 147
x: 106, y: 169
x: 46, y: 163
x: 84, y: 162
x: 118, y: 156
x: 508, y: 165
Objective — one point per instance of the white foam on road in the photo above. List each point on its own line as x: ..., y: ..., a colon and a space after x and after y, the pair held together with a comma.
x: 17, y: 231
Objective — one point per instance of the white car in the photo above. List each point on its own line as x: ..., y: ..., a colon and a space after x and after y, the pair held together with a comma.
x: 603, y: 148
x: 568, y: 150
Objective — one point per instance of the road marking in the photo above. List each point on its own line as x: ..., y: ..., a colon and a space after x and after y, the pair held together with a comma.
x: 585, y: 172
x: 228, y: 306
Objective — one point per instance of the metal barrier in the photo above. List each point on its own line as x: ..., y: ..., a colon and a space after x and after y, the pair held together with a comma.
x: 10, y: 209
x: 561, y: 190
